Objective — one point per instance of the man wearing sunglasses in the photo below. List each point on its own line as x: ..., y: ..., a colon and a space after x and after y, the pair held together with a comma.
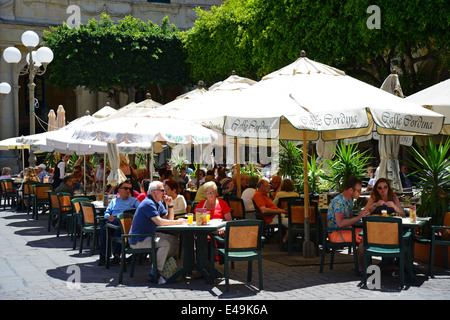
x: 340, y: 215
x: 150, y: 214
x: 118, y: 205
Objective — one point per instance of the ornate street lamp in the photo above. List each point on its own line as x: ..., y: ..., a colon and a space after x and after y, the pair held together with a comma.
x: 37, y: 62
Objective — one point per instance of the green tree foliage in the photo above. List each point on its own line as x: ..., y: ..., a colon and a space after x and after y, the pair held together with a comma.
x: 256, y: 37
x: 216, y: 45
x: 114, y: 57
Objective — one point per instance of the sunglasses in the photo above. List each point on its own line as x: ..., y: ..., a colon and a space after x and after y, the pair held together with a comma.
x: 161, y: 190
x: 126, y: 188
x: 383, y: 187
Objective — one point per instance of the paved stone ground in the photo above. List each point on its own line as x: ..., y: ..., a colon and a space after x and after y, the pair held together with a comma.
x: 36, y: 265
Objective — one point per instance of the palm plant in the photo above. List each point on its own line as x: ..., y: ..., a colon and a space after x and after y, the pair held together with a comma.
x: 315, y: 175
x: 290, y: 160
x: 431, y: 165
x: 348, y: 161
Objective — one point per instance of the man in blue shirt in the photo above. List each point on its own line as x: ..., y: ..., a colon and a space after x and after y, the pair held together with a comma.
x: 150, y: 214
x: 340, y: 215
x: 118, y: 205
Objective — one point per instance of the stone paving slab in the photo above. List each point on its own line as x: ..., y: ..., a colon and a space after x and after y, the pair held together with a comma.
x: 37, y: 265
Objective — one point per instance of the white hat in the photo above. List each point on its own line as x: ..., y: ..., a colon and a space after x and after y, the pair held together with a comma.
x: 43, y: 166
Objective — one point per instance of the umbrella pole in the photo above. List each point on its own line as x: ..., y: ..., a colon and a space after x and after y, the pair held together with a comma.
x: 104, y: 173
x: 84, y: 175
x: 151, y: 162
x: 308, y: 246
x: 238, y: 167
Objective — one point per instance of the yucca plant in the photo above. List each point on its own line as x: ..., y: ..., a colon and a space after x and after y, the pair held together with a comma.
x: 290, y: 160
x: 431, y: 166
x: 315, y: 175
x: 348, y: 161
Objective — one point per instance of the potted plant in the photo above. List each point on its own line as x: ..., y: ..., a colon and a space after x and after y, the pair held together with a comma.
x: 431, y: 166
x: 290, y: 160
x: 315, y: 175
x: 348, y: 161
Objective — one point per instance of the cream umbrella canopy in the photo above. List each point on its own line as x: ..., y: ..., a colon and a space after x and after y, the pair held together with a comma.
x: 201, y: 102
x: 144, y: 129
x: 436, y: 98
x: 60, y: 117
x: 52, y: 121
x: 389, y: 145
x: 106, y: 111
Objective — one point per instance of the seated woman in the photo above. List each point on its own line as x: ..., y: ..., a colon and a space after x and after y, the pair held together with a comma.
x: 6, y: 173
x: 30, y: 175
x: 287, y: 188
x: 179, y: 203
x: 217, y: 208
x: 383, y: 197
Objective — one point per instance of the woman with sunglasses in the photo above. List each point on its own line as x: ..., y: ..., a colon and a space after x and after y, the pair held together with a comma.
x: 383, y: 197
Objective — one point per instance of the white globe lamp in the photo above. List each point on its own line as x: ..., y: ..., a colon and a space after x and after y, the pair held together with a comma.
x: 12, y: 55
x: 36, y: 61
x: 44, y: 55
x: 30, y: 39
x: 5, y: 88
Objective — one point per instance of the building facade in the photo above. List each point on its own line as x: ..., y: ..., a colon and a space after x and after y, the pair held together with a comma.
x: 18, y: 16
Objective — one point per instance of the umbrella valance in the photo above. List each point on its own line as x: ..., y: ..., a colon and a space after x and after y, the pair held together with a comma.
x: 146, y: 129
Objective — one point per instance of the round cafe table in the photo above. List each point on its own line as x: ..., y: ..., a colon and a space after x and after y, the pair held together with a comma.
x: 194, y: 235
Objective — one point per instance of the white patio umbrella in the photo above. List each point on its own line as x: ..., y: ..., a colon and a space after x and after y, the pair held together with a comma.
x: 145, y: 108
x: 60, y: 117
x: 106, y: 111
x: 436, y: 98
x: 51, y: 121
x: 202, y: 101
x: 307, y: 98
x: 139, y: 129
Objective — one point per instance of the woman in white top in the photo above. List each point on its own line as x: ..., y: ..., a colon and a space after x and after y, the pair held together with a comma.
x: 247, y: 197
x: 179, y: 203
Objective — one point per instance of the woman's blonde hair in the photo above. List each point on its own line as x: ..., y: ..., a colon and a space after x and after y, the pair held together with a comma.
x: 30, y: 175
x: 124, y: 159
x: 210, y: 184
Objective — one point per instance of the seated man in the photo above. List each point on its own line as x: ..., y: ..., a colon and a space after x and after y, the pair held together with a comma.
x: 244, y: 185
x: 67, y: 185
x: 265, y: 205
x: 340, y: 215
x: 275, y: 184
x: 118, y: 205
x: 150, y: 214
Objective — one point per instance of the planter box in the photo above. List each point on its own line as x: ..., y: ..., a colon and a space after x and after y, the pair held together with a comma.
x: 422, y: 253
